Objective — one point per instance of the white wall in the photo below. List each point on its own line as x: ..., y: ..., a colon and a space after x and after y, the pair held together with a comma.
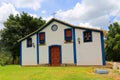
x: 68, y: 55
x: 55, y: 38
x: 88, y: 53
x: 29, y: 54
x: 43, y: 54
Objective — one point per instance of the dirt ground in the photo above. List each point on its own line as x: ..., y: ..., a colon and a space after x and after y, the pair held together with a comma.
x: 113, y: 72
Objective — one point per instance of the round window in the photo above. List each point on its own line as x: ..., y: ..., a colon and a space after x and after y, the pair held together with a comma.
x: 54, y: 27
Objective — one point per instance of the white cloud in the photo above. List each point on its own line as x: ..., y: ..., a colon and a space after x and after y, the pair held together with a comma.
x: 72, y: 14
x: 47, y: 18
x: 6, y: 10
x: 43, y: 12
x: 93, y: 12
x: 33, y: 4
x: 9, y: 7
x: 89, y: 25
x: 34, y: 15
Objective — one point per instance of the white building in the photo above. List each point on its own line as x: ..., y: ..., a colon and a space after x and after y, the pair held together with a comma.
x: 59, y: 43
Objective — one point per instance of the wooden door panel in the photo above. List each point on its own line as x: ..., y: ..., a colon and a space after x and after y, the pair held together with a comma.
x: 55, y: 56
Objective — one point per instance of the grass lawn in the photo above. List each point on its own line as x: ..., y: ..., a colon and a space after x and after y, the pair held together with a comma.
x: 16, y: 72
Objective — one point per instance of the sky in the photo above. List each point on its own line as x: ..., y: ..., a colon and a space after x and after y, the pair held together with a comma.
x: 86, y: 13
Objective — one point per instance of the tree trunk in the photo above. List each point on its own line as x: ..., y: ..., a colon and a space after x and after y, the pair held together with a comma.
x: 14, y: 58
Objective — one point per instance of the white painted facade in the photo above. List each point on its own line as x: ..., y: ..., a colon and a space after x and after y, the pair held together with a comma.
x: 29, y: 54
x: 89, y: 53
x: 56, y: 38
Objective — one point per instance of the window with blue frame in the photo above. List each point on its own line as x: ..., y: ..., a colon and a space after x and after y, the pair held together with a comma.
x: 87, y: 36
x: 42, y: 38
x: 68, y: 35
x: 29, y: 42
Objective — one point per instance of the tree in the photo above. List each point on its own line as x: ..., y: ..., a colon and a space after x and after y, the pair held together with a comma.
x: 113, y: 42
x: 0, y: 40
x: 5, y: 58
x: 17, y: 27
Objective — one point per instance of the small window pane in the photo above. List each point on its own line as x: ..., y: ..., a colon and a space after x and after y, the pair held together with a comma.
x: 87, y: 36
x: 29, y: 42
x: 42, y: 37
x: 68, y: 35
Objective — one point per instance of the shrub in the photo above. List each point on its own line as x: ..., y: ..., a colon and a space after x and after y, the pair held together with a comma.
x: 5, y: 58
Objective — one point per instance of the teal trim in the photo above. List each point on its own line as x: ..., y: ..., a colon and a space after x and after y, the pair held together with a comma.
x: 74, y: 46
x: 102, y: 48
x: 21, y: 53
x: 37, y: 41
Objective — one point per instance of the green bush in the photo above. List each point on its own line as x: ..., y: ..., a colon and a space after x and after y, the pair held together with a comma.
x: 5, y: 58
x: 112, y: 42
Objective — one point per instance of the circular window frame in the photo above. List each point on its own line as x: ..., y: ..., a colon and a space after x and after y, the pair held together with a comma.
x: 54, y: 27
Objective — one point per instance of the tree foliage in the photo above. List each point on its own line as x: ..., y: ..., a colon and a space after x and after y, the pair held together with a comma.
x: 113, y: 42
x: 17, y: 27
x: 0, y: 41
x: 5, y: 58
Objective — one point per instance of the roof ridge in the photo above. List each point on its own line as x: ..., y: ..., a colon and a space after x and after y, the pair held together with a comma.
x: 61, y: 21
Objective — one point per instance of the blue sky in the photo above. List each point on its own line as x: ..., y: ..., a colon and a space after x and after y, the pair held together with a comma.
x: 49, y: 7
x: 86, y: 13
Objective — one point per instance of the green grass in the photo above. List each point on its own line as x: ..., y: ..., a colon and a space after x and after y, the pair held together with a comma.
x: 116, y: 71
x: 15, y: 72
